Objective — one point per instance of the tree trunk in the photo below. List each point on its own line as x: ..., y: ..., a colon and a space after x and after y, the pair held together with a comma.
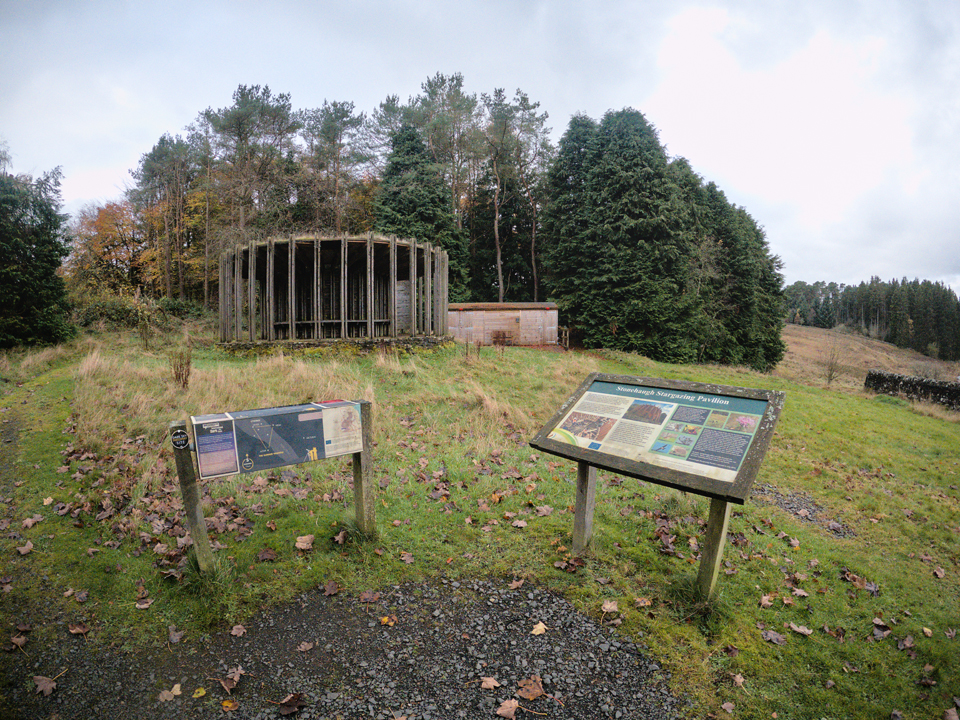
x: 206, y: 245
x: 167, y: 281
x: 496, y: 236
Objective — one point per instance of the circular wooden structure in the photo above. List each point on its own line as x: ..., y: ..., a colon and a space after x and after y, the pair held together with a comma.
x: 327, y: 288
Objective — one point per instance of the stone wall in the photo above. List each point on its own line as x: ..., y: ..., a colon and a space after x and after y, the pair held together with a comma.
x: 914, y: 388
x: 353, y: 346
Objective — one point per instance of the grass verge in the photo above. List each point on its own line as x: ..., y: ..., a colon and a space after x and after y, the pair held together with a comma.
x: 840, y: 592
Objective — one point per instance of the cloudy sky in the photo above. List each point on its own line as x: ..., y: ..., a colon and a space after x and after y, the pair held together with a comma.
x: 835, y: 123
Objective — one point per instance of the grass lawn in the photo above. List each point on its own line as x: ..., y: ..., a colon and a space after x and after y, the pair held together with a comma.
x: 839, y: 597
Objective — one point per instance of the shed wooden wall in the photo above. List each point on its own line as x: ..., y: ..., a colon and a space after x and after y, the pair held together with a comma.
x: 522, y: 323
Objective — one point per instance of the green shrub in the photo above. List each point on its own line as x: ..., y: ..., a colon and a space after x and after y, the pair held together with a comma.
x: 115, y: 311
x: 182, y: 309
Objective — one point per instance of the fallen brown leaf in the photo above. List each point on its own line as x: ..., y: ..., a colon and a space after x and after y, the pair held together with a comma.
x: 44, y: 684
x: 267, y: 555
x: 773, y: 637
x: 531, y: 688
x: 174, y: 635
x: 508, y: 709
x: 291, y: 703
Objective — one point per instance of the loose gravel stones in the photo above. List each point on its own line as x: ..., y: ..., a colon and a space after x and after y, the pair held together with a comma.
x: 427, y: 664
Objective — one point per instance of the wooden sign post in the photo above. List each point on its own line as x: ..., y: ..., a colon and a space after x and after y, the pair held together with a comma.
x: 191, y: 495
x: 695, y: 437
x: 253, y: 440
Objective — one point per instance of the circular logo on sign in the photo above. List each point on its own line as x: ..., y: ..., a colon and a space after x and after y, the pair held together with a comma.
x: 247, y: 463
x: 180, y: 439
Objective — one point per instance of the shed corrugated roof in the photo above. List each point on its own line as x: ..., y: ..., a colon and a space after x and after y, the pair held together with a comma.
x: 503, y: 306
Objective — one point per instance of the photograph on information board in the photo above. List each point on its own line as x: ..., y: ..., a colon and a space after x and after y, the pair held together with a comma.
x: 694, y: 432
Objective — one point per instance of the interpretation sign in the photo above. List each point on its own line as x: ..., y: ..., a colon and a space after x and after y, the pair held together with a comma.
x: 251, y: 440
x: 706, y: 439
x: 233, y: 442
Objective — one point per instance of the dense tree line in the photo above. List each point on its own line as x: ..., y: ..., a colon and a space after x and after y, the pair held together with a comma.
x: 916, y: 314
x: 639, y: 252
x: 643, y: 255
x: 33, y: 243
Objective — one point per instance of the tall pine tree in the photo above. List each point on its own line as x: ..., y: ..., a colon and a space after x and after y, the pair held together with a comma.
x: 32, y: 246
x: 620, y: 277
x: 414, y: 202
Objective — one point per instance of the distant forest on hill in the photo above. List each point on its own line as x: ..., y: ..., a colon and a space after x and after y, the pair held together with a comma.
x: 916, y: 314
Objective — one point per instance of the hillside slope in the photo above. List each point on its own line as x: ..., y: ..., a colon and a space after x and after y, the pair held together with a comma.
x: 808, y: 348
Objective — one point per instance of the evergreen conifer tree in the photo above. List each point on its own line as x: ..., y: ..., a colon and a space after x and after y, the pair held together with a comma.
x: 413, y: 202
x: 32, y: 246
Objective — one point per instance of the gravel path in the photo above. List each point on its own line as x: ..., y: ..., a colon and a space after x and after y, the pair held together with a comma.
x: 346, y: 663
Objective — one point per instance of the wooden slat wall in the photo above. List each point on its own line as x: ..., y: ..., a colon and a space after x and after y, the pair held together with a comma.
x: 258, y: 285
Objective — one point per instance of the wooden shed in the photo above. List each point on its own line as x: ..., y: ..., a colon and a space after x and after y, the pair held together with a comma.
x: 504, y: 323
x: 318, y: 288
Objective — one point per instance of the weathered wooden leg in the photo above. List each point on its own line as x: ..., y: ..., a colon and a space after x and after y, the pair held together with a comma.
x: 712, y: 554
x: 583, y: 512
x: 363, y: 485
x: 191, y: 495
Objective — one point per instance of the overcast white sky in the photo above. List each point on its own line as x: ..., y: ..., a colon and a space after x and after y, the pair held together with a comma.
x: 835, y: 123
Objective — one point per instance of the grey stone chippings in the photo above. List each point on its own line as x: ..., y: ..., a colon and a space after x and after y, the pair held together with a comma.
x: 427, y: 666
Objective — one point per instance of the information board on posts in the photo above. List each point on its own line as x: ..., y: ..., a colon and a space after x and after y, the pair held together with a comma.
x: 252, y: 440
x: 707, y: 439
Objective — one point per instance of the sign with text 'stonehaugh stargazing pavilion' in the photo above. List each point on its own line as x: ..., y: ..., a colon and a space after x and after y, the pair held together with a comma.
x: 696, y: 437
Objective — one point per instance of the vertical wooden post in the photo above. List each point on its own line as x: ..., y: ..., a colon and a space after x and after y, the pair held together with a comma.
x: 445, y: 294
x: 414, y: 328
x: 428, y: 327
x: 344, y: 272
x: 271, y: 281
x: 292, y: 291
x: 317, y: 290
x: 191, y: 495
x: 369, y: 294
x: 583, y: 511
x: 235, y: 288
x: 363, y: 485
x: 392, y: 287
x: 252, y: 291
x: 712, y: 555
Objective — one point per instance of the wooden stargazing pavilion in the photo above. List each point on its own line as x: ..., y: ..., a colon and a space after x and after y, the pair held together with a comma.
x: 332, y: 288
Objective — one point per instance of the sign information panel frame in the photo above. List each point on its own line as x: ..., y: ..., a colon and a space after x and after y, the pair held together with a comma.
x: 245, y: 441
x: 697, y: 437
x: 253, y: 440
